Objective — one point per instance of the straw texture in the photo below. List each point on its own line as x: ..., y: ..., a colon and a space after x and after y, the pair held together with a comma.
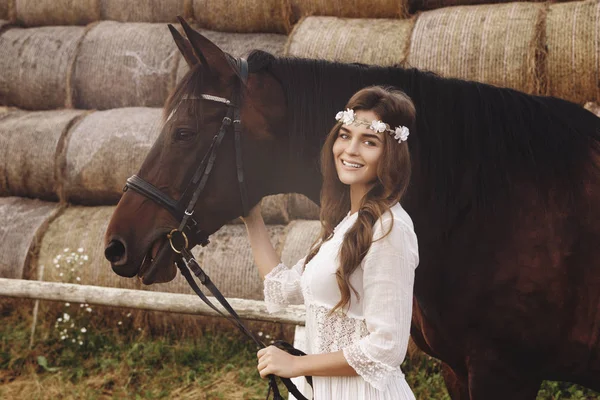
x: 299, y: 236
x: 35, y: 64
x: 143, y: 10
x: 284, y: 208
x: 57, y: 12
x: 22, y: 221
x: 573, y: 34
x: 368, y: 41
x: 240, y: 45
x: 495, y: 44
x: 244, y: 16
x: 124, y: 65
x: 29, y: 145
x: 350, y: 8
x: 105, y: 149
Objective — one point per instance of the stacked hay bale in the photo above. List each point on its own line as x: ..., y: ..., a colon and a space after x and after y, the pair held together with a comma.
x: 103, y: 69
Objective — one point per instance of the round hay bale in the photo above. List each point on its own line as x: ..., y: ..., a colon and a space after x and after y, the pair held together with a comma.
x: 80, y: 228
x: 144, y: 10
x: 244, y: 16
x: 299, y: 236
x: 283, y: 208
x: 240, y: 45
x: 494, y: 44
x: 227, y: 259
x: 30, y: 144
x: 35, y: 64
x: 593, y: 107
x: 124, y: 65
x: 368, y: 41
x: 104, y: 149
x: 22, y: 222
x: 573, y: 36
x: 350, y: 8
x: 56, y: 12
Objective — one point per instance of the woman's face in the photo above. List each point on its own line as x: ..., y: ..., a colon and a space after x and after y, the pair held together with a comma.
x: 356, y: 152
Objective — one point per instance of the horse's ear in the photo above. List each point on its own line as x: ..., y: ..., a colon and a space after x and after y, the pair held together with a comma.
x: 184, y: 47
x: 210, y: 55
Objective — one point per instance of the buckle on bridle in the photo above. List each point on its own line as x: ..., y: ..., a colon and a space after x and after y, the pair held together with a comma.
x: 178, y: 236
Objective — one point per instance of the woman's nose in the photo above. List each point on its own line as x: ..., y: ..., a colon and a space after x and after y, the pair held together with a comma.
x: 352, y: 147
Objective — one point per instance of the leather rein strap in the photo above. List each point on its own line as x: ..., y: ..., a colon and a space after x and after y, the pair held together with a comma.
x: 189, y: 227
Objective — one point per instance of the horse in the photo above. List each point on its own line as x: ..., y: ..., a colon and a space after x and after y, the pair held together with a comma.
x: 504, y: 197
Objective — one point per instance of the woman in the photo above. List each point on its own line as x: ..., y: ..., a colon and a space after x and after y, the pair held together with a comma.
x: 357, y: 280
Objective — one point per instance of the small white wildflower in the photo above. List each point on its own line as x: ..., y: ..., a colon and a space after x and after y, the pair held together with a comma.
x: 55, y: 261
x: 88, y: 309
x: 85, y: 257
x: 378, y: 126
x: 66, y: 317
x: 78, y: 279
x: 80, y: 343
x: 58, y: 257
x: 73, y: 340
x: 268, y: 336
x: 72, y: 325
x: 80, y: 250
x: 83, y: 330
x: 129, y: 314
x: 139, y: 329
x: 66, y: 250
x: 59, y: 320
x: 260, y: 333
x: 63, y: 337
x: 67, y: 304
x: 80, y: 262
x: 119, y: 323
x: 81, y: 306
x: 61, y: 274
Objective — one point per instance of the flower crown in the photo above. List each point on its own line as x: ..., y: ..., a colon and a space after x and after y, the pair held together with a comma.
x: 347, y: 117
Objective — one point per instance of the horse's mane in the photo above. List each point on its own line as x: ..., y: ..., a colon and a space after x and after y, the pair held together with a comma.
x: 474, y: 142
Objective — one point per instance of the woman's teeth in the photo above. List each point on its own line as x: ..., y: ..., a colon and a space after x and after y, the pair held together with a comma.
x: 351, y: 165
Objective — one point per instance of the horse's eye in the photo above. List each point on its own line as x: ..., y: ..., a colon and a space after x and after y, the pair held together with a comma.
x: 184, y: 134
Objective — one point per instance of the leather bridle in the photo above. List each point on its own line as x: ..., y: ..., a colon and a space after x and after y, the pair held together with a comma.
x: 189, y: 228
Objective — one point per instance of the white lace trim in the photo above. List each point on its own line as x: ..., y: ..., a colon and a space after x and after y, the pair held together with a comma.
x: 376, y: 373
x: 332, y: 332
x: 281, y: 288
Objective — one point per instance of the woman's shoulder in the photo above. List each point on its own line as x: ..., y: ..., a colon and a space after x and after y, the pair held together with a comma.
x: 397, y: 214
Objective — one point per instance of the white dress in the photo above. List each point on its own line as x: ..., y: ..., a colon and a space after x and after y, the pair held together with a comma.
x: 374, y: 332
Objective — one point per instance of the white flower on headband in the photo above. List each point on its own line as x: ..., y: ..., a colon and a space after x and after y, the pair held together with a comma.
x: 401, y: 134
x: 378, y: 126
x: 347, y: 116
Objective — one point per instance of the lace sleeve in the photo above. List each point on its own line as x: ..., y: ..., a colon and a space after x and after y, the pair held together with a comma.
x: 388, y: 279
x: 282, y: 286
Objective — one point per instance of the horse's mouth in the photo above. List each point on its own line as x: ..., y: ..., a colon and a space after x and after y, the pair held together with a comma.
x: 158, y: 265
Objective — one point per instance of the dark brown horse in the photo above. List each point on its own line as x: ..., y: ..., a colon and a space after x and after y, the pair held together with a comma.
x: 505, y: 198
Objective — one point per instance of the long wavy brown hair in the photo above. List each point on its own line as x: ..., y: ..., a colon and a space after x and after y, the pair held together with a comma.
x: 395, y: 108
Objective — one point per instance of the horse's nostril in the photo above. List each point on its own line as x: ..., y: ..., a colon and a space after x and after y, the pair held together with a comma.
x: 115, y: 252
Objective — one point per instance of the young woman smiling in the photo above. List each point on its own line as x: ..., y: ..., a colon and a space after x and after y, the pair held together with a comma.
x: 357, y: 280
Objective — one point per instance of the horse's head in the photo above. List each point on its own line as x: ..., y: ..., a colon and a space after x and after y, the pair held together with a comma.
x: 178, y: 176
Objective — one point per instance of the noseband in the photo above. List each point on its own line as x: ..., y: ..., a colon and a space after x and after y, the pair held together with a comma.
x: 189, y: 227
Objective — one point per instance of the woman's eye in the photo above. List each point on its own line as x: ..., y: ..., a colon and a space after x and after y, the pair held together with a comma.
x: 184, y: 134
x: 343, y: 136
x: 369, y: 143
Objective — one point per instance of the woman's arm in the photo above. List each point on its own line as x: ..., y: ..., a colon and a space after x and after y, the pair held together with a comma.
x: 265, y: 256
x: 272, y: 360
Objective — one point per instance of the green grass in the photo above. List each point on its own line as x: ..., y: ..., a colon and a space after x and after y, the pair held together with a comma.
x: 128, y: 361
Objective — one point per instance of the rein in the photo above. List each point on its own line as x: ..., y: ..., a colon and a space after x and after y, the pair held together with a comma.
x: 189, y: 227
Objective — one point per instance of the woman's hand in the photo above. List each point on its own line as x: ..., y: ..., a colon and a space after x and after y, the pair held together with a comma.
x: 272, y: 360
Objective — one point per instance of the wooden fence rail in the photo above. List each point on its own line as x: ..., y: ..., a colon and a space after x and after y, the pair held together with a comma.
x: 144, y: 300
